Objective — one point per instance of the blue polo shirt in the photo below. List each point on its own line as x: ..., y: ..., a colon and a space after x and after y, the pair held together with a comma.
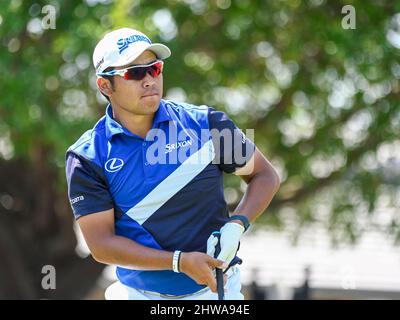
x: 166, y: 189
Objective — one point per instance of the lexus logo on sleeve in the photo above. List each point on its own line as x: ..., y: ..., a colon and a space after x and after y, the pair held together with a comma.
x: 114, y: 164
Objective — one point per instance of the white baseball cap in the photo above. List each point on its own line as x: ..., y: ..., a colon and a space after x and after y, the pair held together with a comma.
x: 120, y: 47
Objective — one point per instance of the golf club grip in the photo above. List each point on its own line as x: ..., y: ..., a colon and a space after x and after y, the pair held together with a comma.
x: 219, y: 272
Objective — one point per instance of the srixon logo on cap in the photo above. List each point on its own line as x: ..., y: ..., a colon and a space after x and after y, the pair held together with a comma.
x: 124, y: 43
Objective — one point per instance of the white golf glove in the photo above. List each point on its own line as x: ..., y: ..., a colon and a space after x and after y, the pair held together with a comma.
x: 229, y: 241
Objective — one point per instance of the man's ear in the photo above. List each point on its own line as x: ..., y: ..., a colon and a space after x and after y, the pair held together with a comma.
x: 105, y: 86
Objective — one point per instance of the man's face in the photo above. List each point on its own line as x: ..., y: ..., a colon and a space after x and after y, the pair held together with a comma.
x: 141, y: 97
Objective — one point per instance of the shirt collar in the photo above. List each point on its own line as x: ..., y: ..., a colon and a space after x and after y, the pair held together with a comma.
x: 113, y: 127
x: 162, y: 114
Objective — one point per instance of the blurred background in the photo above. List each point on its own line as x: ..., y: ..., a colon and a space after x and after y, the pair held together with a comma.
x: 317, y: 81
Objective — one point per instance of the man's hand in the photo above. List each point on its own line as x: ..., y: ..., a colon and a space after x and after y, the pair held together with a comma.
x: 199, y: 267
x: 230, y: 237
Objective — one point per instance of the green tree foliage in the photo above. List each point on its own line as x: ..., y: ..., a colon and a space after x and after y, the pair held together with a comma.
x: 323, y: 100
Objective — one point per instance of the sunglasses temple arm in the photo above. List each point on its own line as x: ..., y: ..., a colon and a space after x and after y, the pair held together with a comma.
x: 112, y: 73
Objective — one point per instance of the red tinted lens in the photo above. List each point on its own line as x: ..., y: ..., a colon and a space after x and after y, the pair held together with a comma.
x: 156, y: 69
x: 135, y: 73
x: 140, y: 72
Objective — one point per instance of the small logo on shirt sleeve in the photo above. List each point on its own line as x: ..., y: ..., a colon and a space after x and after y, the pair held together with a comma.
x: 75, y: 200
x: 114, y: 165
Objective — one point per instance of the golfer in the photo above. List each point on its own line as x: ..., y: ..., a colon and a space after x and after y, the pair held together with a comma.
x: 146, y: 183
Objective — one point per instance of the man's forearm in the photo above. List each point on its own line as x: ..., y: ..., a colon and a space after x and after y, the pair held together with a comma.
x: 121, y: 251
x: 129, y: 254
x: 259, y: 194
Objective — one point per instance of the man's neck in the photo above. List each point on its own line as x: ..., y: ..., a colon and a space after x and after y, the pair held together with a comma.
x: 137, y: 124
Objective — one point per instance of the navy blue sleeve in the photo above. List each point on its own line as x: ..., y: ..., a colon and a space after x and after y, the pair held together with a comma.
x: 233, y: 149
x: 87, y: 190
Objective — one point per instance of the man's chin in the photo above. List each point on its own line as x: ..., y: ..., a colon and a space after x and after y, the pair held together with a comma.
x: 151, y: 103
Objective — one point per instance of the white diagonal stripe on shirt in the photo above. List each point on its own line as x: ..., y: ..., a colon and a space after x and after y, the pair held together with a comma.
x: 179, y: 178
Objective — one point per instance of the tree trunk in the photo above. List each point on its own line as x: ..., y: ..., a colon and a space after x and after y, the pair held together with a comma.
x: 36, y: 229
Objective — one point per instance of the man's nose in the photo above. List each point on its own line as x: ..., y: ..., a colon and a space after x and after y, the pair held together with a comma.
x: 148, y: 81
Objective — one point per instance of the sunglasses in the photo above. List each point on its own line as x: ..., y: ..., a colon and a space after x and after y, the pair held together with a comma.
x: 137, y: 72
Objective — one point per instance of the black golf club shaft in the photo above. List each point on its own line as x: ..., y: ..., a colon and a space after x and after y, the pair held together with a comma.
x: 219, y: 272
